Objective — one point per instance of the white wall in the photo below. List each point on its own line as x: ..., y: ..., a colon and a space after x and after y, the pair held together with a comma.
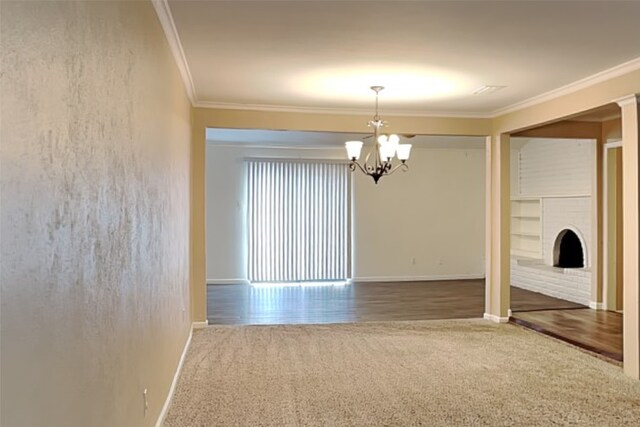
x: 427, y: 223
x: 95, y: 214
x: 552, y: 167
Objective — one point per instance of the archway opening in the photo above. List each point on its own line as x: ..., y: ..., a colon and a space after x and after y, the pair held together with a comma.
x: 569, y: 252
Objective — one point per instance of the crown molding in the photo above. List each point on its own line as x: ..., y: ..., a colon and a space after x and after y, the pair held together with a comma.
x: 171, y: 33
x: 618, y: 70
x: 341, y: 111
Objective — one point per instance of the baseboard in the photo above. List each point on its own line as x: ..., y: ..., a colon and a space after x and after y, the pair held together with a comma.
x: 417, y: 278
x: 496, y: 319
x: 200, y: 325
x: 596, y: 305
x: 176, y: 376
x: 227, y: 282
x: 213, y: 282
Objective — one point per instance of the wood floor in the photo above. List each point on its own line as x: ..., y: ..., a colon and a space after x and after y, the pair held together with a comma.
x: 597, y: 331
x: 357, y: 302
x: 523, y: 300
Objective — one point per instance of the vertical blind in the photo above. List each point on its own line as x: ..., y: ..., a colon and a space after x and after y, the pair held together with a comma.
x: 298, y: 220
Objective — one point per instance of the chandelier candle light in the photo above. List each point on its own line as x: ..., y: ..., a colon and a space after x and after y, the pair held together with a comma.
x: 384, y: 149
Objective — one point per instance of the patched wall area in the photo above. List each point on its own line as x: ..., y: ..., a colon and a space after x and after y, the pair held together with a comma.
x: 94, y: 214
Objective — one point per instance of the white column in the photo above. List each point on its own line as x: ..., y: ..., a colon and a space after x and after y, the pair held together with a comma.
x: 498, y: 228
x: 631, y: 229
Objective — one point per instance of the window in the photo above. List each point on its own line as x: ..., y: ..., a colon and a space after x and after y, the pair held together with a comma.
x: 298, y: 220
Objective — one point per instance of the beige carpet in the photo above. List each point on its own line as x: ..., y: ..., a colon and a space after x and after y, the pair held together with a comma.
x: 429, y: 373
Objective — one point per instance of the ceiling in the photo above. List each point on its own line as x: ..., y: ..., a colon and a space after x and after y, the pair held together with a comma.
x: 288, y: 139
x: 430, y: 55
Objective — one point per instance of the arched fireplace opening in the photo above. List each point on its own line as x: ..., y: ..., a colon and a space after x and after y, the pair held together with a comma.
x: 568, y: 252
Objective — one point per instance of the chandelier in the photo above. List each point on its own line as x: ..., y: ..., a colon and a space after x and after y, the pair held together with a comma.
x: 379, y: 160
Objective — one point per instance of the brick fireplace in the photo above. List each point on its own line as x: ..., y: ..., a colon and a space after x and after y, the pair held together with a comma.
x: 551, y: 218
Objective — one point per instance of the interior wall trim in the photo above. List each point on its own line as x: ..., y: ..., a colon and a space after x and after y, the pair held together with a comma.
x: 176, y: 376
x: 171, y: 33
x: 496, y: 319
x: 341, y: 111
x: 429, y: 278
x: 227, y: 282
x: 199, y: 325
x: 626, y: 100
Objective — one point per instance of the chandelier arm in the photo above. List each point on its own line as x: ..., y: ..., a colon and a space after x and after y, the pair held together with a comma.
x: 353, y: 165
x: 402, y: 166
x: 366, y: 159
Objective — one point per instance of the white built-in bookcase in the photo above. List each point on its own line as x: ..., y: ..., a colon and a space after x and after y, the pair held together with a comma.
x: 526, y: 227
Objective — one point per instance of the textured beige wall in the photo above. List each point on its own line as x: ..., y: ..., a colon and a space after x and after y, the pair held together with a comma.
x: 564, y: 129
x: 94, y: 214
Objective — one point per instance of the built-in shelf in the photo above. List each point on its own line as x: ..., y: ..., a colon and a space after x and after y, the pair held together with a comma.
x: 526, y: 227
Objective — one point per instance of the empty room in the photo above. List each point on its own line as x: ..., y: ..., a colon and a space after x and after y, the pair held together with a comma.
x: 319, y: 213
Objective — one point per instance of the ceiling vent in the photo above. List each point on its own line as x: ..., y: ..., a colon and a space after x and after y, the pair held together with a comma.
x: 487, y: 89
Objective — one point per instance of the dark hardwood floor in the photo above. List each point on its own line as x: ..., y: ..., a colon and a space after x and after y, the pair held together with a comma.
x: 597, y: 331
x: 356, y: 302
x: 523, y: 300
x: 361, y: 302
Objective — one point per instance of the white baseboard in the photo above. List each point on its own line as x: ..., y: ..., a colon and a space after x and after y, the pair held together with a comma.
x: 227, y: 282
x: 417, y: 278
x: 200, y: 325
x: 176, y: 376
x: 369, y: 279
x: 496, y: 319
x: 596, y: 305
